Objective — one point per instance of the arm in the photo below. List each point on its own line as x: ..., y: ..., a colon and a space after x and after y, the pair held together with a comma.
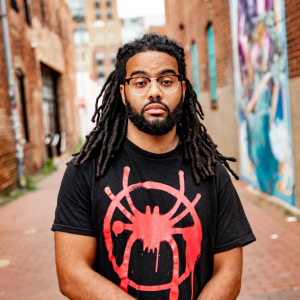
x: 225, y: 283
x: 75, y: 255
x: 265, y: 79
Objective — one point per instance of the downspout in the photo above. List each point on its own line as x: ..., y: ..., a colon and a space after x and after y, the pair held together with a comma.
x: 12, y: 97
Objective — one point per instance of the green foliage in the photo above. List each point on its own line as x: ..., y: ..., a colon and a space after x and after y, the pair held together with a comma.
x: 31, y: 184
x: 48, y: 167
x: 12, y: 195
x: 78, y: 146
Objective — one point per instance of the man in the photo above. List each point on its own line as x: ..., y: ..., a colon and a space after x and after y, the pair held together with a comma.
x: 146, y: 210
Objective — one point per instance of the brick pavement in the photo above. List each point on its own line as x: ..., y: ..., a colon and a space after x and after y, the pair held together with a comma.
x: 271, y: 266
x: 27, y: 242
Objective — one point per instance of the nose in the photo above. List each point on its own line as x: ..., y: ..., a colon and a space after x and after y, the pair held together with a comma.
x: 154, y: 92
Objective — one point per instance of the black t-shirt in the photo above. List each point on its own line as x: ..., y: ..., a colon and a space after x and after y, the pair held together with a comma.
x: 157, y: 231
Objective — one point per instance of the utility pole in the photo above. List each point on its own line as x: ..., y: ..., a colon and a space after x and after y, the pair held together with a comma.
x: 12, y: 97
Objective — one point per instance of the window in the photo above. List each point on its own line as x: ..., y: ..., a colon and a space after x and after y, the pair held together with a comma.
x: 50, y: 111
x: 108, y: 3
x: 109, y: 12
x: 110, y: 23
x: 100, y: 36
x: 100, y: 71
x: 21, y: 90
x: 98, y: 16
x: 43, y: 10
x: 58, y: 23
x: 77, y: 7
x: 195, y: 70
x: 99, y: 57
x: 27, y: 16
x: 113, y: 57
x: 212, y: 63
x: 97, y: 3
x: 111, y: 35
x: 81, y: 35
x: 13, y: 4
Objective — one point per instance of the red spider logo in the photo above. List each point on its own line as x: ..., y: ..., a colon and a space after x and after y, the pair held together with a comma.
x: 152, y: 229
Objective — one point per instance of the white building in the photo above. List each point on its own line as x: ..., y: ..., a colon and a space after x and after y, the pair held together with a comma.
x: 134, y: 28
x: 88, y: 90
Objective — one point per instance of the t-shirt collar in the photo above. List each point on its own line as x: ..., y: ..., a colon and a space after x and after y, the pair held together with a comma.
x: 170, y: 154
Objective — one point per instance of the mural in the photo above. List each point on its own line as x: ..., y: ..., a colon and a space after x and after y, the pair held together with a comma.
x: 262, y: 93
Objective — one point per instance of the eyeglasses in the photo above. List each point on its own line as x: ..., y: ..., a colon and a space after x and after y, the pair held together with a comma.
x: 166, y: 83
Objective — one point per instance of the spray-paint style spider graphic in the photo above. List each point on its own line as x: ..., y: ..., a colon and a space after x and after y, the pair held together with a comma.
x: 153, y: 229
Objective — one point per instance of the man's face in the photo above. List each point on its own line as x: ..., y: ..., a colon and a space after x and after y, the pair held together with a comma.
x: 155, y: 112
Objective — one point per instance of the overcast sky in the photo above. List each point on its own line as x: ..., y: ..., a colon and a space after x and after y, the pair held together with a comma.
x: 140, y: 8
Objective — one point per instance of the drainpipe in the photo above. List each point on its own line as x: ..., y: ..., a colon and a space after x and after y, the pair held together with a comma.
x: 12, y: 97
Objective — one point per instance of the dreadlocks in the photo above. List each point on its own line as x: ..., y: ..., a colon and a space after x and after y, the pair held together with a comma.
x: 111, y: 121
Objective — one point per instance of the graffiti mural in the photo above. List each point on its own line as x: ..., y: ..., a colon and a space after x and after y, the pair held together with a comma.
x: 262, y: 93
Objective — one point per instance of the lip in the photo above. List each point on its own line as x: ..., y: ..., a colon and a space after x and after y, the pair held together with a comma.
x: 155, y: 109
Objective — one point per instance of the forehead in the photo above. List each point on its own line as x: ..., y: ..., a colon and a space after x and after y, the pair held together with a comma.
x: 151, y: 62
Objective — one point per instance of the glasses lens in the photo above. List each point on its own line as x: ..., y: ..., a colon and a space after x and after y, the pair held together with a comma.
x: 139, y: 85
x: 168, y: 84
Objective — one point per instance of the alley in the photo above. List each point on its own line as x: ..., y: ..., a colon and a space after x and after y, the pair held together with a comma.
x: 27, y: 269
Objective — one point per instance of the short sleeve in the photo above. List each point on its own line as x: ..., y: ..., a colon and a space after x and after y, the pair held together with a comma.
x: 73, y: 211
x: 233, y: 228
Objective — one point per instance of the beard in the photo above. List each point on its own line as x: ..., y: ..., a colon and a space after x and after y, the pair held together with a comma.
x: 156, y: 127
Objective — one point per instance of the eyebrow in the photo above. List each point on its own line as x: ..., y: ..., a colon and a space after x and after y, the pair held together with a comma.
x: 138, y: 72
x: 167, y: 71
x: 146, y: 73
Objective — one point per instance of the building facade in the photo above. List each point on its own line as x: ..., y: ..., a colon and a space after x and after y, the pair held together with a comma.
x: 97, y: 36
x: 135, y: 28
x: 242, y: 58
x: 132, y: 28
x: 45, y: 86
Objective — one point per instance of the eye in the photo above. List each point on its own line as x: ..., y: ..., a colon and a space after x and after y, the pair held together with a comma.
x: 139, y: 82
x: 166, y: 82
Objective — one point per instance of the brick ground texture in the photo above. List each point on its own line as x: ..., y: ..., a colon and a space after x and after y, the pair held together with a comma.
x: 271, y: 266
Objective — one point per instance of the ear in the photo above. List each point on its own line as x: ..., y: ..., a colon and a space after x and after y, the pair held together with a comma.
x: 122, y: 91
x: 183, y: 84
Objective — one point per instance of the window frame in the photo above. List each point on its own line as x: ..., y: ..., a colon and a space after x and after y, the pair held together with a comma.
x: 27, y: 12
x: 195, y: 69
x: 14, y: 5
x: 22, y: 100
x: 212, y: 65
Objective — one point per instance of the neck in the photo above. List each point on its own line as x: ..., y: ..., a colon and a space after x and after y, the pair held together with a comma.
x: 152, y: 143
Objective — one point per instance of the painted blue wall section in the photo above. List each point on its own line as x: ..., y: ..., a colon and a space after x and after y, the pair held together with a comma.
x: 195, y: 70
x: 262, y: 95
x: 212, y: 62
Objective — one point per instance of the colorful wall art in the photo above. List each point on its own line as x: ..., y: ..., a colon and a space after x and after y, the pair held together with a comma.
x: 262, y: 94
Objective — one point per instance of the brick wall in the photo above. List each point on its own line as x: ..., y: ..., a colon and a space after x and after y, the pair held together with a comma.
x: 292, y: 12
x: 187, y: 23
x: 53, y: 41
x: 8, y: 168
x: 221, y: 122
x: 195, y: 18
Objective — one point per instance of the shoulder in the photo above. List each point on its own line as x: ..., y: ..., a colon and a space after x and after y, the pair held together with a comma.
x: 222, y: 176
x: 85, y: 171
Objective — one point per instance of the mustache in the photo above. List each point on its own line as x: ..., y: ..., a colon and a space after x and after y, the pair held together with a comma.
x: 155, y: 101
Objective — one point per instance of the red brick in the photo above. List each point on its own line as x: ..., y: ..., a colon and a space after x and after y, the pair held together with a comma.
x: 55, y: 49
